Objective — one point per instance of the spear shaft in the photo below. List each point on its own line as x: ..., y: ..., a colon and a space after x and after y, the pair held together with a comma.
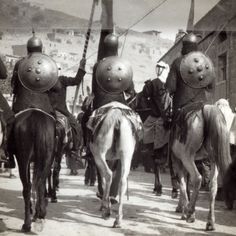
x: 95, y: 2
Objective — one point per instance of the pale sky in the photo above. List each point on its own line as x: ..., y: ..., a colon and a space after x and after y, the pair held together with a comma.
x: 168, y: 18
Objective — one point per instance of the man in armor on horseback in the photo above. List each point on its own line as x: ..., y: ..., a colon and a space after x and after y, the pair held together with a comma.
x: 182, y: 91
x: 52, y: 96
x: 191, y: 82
x: 102, y: 94
x: 23, y: 96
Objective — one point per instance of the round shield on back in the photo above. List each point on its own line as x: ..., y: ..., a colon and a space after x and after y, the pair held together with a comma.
x: 38, y: 72
x: 197, y: 70
x: 114, y: 74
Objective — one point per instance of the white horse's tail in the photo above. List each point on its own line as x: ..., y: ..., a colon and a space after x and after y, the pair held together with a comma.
x: 216, y: 130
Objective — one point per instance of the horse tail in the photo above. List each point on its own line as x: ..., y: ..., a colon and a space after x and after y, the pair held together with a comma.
x: 112, y: 119
x: 43, y: 132
x: 217, y: 132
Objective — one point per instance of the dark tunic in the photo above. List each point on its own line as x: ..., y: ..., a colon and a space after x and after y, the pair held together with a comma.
x: 25, y: 98
x: 181, y: 92
x: 7, y: 112
x: 58, y: 92
x: 58, y: 100
x: 102, y: 98
x: 153, y: 91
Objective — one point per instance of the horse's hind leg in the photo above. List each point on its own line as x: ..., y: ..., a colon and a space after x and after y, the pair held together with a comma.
x: 106, y: 176
x: 196, y: 180
x: 213, y: 190
x: 157, y: 184
x: 125, y: 169
x: 25, y: 179
x: 183, y: 198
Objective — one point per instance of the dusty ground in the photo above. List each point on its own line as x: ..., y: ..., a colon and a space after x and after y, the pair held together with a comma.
x: 77, y: 212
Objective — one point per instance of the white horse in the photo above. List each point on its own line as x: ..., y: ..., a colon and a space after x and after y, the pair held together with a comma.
x: 114, y: 138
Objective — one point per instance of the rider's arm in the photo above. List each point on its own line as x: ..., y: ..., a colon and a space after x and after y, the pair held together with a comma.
x: 130, y: 90
x: 72, y: 81
x: 171, y: 80
x: 3, y: 70
x: 15, y: 78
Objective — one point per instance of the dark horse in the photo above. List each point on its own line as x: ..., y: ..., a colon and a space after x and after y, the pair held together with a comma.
x: 229, y: 185
x: 34, y: 140
x: 63, y: 146
x: 141, y: 105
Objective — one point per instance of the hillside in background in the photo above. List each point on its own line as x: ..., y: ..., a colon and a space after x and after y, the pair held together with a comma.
x: 63, y: 38
x: 22, y: 14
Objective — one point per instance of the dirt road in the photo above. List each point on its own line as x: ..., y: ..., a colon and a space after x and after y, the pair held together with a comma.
x: 77, y: 211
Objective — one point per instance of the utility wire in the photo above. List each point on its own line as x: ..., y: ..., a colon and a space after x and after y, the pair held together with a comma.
x: 131, y: 26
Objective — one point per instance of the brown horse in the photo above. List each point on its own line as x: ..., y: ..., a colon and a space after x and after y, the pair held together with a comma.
x: 205, y: 133
x: 114, y: 138
x: 34, y: 140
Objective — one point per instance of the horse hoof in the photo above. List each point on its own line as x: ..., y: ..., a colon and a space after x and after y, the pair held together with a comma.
x: 210, y: 227
x: 174, y: 195
x: 190, y: 219
x: 183, y: 217
x: 179, y: 209
x: 116, y: 224
x: 25, y: 228
x: 106, y: 214
x: 38, y: 225
x: 53, y: 200
x: 158, y: 194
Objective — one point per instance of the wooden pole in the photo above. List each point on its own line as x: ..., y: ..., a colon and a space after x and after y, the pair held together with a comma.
x: 95, y: 2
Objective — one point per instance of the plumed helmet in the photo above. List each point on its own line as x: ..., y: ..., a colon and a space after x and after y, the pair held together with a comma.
x: 111, y: 44
x: 190, y: 43
x: 114, y: 74
x: 34, y: 44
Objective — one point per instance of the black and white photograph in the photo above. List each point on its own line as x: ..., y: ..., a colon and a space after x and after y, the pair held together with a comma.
x: 117, y: 117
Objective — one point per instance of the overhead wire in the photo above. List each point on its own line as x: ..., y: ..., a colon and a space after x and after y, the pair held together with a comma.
x: 135, y: 23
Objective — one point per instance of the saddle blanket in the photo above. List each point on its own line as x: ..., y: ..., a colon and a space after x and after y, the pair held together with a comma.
x: 154, y: 132
x: 99, y: 114
x: 63, y: 120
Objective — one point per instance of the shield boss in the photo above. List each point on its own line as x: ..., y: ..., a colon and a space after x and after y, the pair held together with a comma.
x: 197, y: 70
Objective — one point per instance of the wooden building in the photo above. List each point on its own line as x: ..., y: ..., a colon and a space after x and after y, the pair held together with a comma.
x: 217, y: 31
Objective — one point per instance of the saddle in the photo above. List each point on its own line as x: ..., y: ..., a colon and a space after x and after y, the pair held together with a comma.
x: 180, y: 119
x: 63, y: 120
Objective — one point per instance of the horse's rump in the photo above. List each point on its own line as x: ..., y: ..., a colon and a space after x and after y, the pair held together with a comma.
x: 34, y: 134
x: 106, y: 123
